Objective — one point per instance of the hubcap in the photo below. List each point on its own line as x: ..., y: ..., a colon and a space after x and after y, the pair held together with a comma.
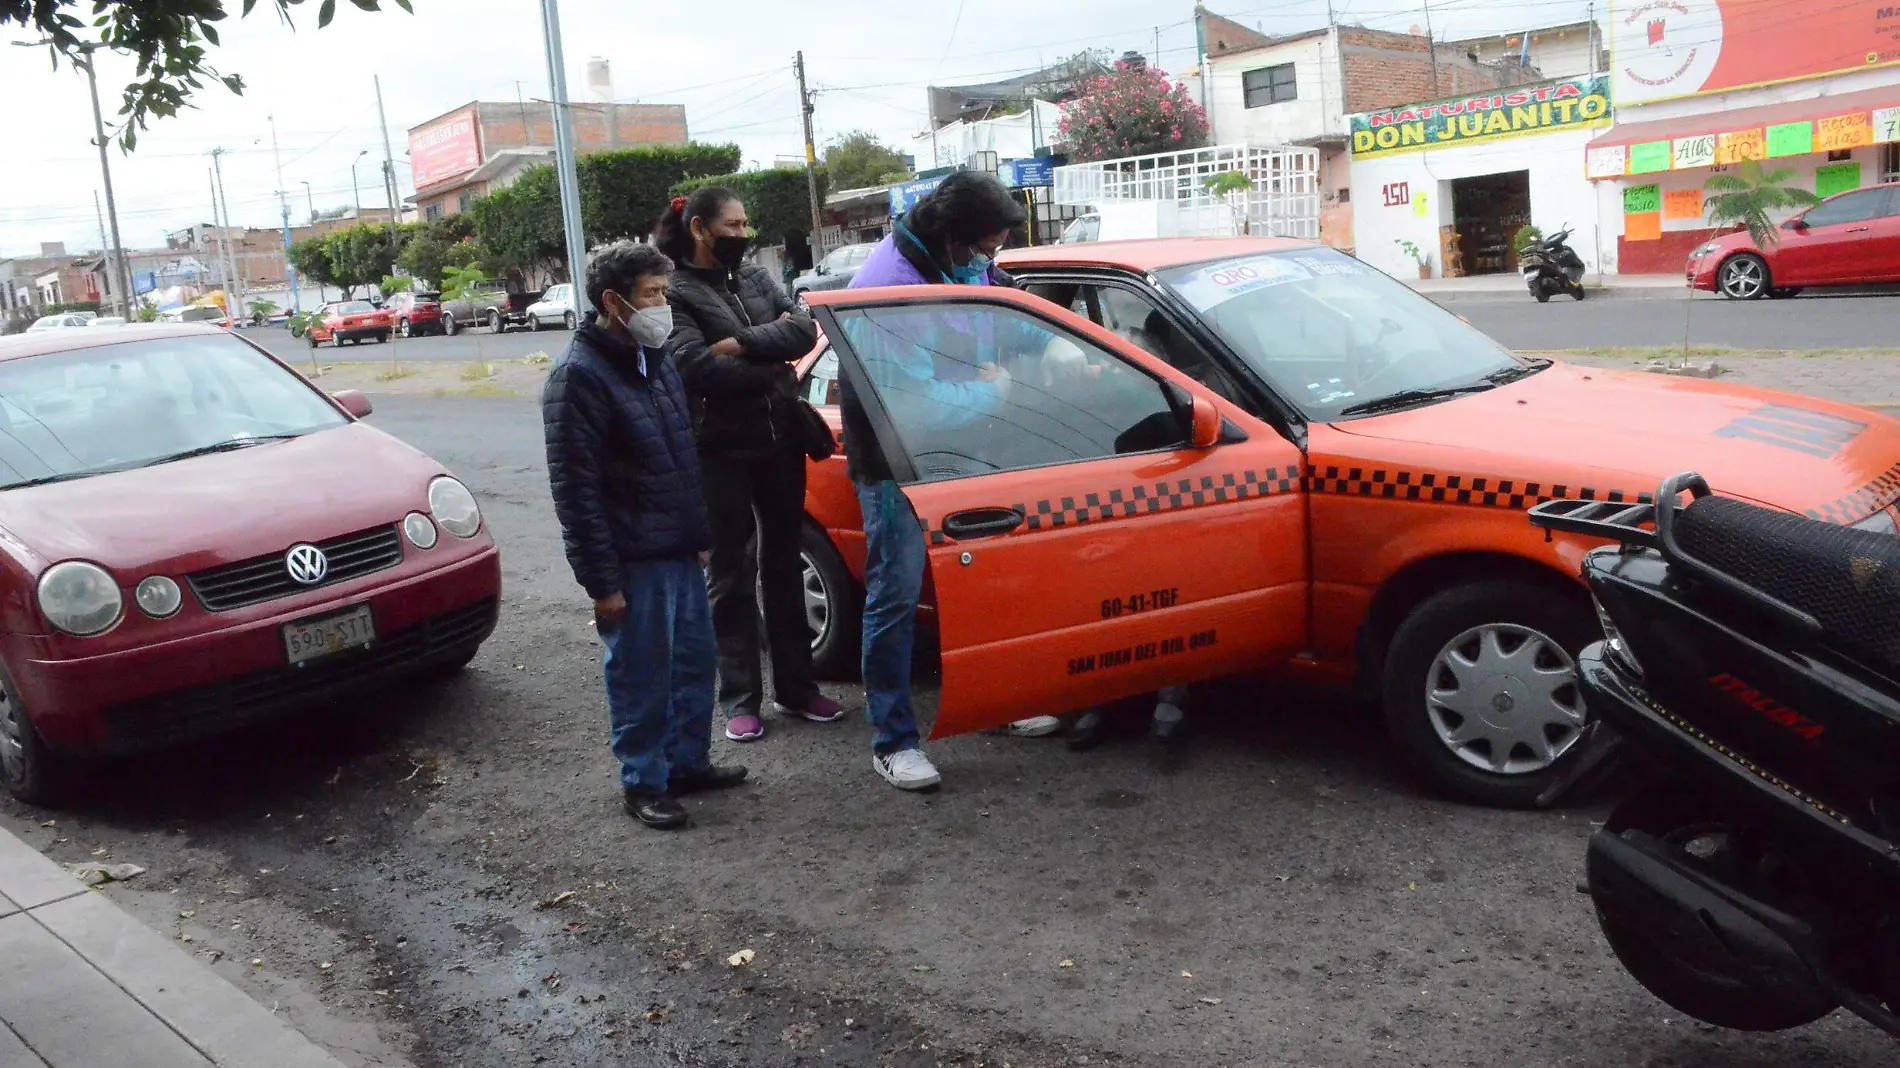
x: 12, y: 740
x: 817, y: 601
x: 1744, y: 277
x: 1504, y: 699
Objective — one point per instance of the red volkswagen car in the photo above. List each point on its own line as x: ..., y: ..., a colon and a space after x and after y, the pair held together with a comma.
x: 416, y: 313
x: 1849, y: 239
x: 193, y: 536
x: 351, y: 320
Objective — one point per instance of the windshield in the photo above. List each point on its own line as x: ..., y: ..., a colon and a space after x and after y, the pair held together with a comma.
x: 89, y: 411
x: 355, y: 307
x: 1331, y: 334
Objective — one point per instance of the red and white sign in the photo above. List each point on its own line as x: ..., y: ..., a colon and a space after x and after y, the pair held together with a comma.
x: 444, y: 149
x: 1662, y: 49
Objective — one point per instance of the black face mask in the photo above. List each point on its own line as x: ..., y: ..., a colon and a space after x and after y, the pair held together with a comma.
x: 730, y: 251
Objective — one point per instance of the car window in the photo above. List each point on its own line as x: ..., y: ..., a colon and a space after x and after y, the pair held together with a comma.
x: 821, y: 382
x: 1142, y: 322
x: 355, y: 307
x: 973, y: 388
x: 1328, y: 332
x: 860, y: 254
x: 111, y: 407
x: 1854, y: 207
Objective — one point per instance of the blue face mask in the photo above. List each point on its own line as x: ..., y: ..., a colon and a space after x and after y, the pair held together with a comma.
x: 974, y: 272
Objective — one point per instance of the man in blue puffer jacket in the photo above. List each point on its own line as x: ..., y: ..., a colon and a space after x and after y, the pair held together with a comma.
x: 625, y: 476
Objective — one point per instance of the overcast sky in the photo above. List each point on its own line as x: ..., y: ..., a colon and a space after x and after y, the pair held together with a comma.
x: 728, y: 61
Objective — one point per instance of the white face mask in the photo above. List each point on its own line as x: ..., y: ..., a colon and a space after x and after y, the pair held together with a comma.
x: 651, y: 327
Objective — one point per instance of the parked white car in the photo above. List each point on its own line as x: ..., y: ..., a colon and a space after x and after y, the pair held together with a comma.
x: 556, y: 307
x: 58, y: 322
x: 107, y: 320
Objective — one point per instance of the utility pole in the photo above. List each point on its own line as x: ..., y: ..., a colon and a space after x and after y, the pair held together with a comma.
x: 119, y: 273
x: 564, y: 171
x: 99, y: 214
x: 283, y: 203
x: 1158, y: 45
x: 312, y: 198
x: 1431, y: 46
x: 811, y: 163
x: 234, y: 292
x: 355, y: 192
x: 521, y: 104
x: 220, y: 262
x: 389, y: 164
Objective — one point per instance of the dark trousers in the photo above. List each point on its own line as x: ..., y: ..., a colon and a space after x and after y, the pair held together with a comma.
x: 762, y: 495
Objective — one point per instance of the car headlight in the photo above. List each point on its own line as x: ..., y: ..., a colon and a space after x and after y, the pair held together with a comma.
x: 421, y: 532
x: 1880, y: 522
x: 80, y: 598
x: 453, y: 506
x: 158, y: 596
x: 1703, y: 251
x: 1614, y: 644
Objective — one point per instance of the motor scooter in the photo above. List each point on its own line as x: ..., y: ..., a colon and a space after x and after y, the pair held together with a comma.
x: 1551, y: 266
x: 1751, y: 665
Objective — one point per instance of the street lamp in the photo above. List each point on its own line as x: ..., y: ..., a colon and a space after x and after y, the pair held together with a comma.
x: 354, y: 192
x: 121, y: 276
x: 308, y: 195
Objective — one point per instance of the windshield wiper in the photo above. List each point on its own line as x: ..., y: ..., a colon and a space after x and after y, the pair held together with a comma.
x: 1516, y: 371
x: 219, y: 446
x: 44, y: 480
x: 1408, y: 398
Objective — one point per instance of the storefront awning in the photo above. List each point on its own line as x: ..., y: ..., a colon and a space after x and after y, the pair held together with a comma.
x: 1771, y: 131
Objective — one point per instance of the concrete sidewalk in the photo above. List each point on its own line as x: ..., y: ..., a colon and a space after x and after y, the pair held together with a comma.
x: 1505, y: 286
x: 84, y: 984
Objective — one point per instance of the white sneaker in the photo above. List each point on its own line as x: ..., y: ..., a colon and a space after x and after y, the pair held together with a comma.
x: 907, y: 769
x: 1035, y: 727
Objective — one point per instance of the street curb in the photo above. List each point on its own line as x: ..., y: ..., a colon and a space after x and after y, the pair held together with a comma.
x: 1605, y: 293
x: 216, y: 1019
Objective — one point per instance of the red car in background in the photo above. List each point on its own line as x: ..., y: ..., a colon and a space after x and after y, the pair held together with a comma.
x: 188, y: 542
x: 416, y: 313
x: 350, y: 320
x: 1852, y: 238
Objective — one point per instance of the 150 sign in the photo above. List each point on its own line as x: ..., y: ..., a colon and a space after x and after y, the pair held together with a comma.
x: 1398, y: 194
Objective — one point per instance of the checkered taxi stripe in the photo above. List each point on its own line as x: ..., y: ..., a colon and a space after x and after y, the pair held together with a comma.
x: 1882, y: 492
x: 1147, y: 497
x: 1483, y: 491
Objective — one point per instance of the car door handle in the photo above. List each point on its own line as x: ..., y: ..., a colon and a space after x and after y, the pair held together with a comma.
x: 1858, y: 230
x: 982, y: 522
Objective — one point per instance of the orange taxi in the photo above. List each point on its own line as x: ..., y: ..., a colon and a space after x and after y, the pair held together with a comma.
x: 1215, y: 456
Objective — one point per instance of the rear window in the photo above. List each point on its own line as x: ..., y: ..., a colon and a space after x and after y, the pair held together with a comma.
x: 356, y: 307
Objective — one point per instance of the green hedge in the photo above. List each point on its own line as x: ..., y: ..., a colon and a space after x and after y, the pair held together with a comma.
x: 776, y: 201
x: 624, y: 190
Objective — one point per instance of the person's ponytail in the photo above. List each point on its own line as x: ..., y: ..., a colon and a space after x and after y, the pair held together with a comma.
x: 673, y: 232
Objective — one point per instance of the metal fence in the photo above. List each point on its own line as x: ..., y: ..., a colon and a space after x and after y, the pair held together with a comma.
x: 1284, y: 200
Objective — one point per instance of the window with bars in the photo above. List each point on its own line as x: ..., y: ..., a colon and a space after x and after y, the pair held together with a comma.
x: 1890, y: 162
x: 1269, y: 85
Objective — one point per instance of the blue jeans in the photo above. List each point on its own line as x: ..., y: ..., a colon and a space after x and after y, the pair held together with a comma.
x: 659, y: 666
x: 894, y: 562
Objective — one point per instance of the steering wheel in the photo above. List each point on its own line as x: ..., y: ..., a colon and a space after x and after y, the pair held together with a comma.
x: 1374, y: 360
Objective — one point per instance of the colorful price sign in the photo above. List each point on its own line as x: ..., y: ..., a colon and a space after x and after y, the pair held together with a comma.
x: 1694, y: 152
x: 1641, y: 198
x: 1887, y: 125
x: 1790, y: 139
x: 1650, y: 157
x: 1843, y: 132
x: 1836, y: 178
x: 1682, y: 204
x: 1733, y: 148
x: 1611, y: 162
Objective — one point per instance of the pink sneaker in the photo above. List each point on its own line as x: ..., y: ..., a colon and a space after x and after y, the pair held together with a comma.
x: 745, y: 728
x: 820, y: 709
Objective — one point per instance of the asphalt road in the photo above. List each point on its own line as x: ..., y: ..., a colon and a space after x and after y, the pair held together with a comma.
x: 445, y: 874
x: 1801, y: 323
x: 1518, y: 321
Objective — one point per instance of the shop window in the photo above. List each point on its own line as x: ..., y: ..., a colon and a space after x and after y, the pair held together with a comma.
x: 1269, y: 85
x: 432, y: 212
x: 461, y: 202
x: 1890, y: 162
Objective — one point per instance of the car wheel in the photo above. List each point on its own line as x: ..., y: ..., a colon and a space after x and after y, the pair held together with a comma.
x: 311, y: 338
x: 534, y: 324
x: 402, y: 327
x: 496, y: 324
x: 336, y: 341
x: 568, y: 321
x: 799, y: 301
x: 1480, y: 688
x: 32, y: 772
x: 833, y: 608
x: 1744, y: 277
x: 1696, y: 833
x: 448, y: 326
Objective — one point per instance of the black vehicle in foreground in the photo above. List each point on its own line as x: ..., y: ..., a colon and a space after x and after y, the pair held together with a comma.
x: 1751, y: 660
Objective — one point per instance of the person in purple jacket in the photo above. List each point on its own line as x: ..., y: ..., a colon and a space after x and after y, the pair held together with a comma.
x: 950, y: 237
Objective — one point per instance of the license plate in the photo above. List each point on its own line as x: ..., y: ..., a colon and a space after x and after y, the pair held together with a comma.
x: 321, y: 637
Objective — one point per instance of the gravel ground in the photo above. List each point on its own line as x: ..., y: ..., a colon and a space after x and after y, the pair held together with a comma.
x: 444, y: 876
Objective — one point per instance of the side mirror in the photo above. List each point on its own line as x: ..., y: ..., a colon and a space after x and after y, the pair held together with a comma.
x: 353, y: 402
x: 820, y: 268
x: 1796, y: 223
x: 1204, y: 424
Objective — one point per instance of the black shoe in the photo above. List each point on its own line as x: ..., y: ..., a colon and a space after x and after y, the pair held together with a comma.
x: 710, y: 777
x: 1087, y: 731
x: 654, y: 810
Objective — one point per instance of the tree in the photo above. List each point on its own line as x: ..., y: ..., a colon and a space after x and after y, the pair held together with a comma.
x: 166, y: 36
x: 1750, y: 199
x: 396, y: 283
x: 519, y: 227
x: 859, y: 159
x: 429, y: 249
x: 776, y: 201
x: 360, y: 255
x: 623, y: 191
x: 1132, y: 111
x: 311, y: 258
x: 1229, y: 185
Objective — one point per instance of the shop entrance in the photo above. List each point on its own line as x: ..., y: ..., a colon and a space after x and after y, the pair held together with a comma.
x: 1486, y: 213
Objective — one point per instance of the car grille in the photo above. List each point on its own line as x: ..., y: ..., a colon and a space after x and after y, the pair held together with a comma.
x: 215, y: 707
x: 265, y: 578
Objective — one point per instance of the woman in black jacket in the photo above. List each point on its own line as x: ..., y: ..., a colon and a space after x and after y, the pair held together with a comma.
x: 735, y: 337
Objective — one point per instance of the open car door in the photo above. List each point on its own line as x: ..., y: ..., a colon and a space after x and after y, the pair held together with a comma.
x: 1098, y: 525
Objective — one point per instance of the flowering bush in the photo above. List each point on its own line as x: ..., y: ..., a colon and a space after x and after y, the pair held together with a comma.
x: 1133, y: 111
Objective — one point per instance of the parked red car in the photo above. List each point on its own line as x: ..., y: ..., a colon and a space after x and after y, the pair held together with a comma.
x: 416, y: 313
x: 350, y: 320
x: 189, y: 541
x: 1849, y: 239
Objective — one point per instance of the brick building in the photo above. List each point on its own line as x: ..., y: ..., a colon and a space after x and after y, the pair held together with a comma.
x: 485, y: 145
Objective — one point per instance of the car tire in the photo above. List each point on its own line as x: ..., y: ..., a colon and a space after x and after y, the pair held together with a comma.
x: 31, y: 772
x: 311, y: 338
x: 799, y: 302
x: 835, y: 644
x: 534, y: 324
x: 402, y: 327
x: 1468, y: 644
x: 1744, y: 277
x: 497, y: 324
x: 568, y: 322
x: 336, y: 341
x: 1734, y: 1003
x: 448, y: 326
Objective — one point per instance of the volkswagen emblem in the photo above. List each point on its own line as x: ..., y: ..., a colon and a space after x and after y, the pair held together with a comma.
x: 306, y: 564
